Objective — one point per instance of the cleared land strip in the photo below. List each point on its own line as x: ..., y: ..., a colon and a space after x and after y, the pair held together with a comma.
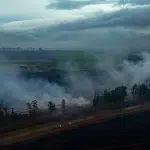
x: 37, y: 132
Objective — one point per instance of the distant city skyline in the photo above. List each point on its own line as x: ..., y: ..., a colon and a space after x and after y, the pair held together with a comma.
x: 19, y: 48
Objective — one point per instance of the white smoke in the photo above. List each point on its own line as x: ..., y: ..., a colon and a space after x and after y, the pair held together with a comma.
x: 131, y: 73
x: 17, y: 91
x: 113, y: 71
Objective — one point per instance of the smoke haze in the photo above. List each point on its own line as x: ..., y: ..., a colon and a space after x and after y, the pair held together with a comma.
x: 111, y: 71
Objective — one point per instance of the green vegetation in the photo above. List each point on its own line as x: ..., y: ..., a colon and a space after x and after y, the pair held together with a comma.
x: 63, y: 106
x: 116, y: 97
x: 32, y: 107
x: 58, y: 60
x: 51, y: 106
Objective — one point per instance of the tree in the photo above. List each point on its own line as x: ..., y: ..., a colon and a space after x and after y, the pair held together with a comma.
x: 1, y: 104
x: 29, y: 108
x: 5, y: 111
x: 148, y: 93
x: 34, y: 107
x: 116, y: 96
x: 142, y: 92
x: 120, y: 94
x: 12, y: 112
x: 51, y: 106
x: 107, y: 96
x: 134, y: 91
x: 63, y: 105
x: 95, y: 101
x: 143, y: 89
x: 1, y: 108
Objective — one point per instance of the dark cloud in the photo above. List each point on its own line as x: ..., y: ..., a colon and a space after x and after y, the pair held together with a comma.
x: 127, y: 17
x: 67, y: 4
x: 14, y: 39
x: 112, y: 40
x: 76, y: 4
x: 135, y: 18
x: 72, y: 4
x: 140, y: 2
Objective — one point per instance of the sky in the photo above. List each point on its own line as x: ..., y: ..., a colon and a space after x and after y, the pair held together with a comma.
x: 101, y: 25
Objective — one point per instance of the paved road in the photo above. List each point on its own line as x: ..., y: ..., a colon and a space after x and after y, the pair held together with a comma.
x: 22, y: 136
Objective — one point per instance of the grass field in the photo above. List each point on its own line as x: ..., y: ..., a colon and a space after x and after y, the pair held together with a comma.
x: 81, y: 60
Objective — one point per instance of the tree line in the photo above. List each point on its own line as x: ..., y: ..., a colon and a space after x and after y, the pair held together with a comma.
x: 140, y: 93
x: 32, y: 108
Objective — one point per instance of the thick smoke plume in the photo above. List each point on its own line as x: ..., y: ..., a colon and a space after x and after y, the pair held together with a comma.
x: 111, y: 71
x: 17, y: 91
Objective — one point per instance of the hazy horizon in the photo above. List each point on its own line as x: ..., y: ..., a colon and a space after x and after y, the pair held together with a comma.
x: 101, y: 25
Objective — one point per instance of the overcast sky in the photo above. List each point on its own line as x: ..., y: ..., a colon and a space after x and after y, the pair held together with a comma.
x: 111, y: 25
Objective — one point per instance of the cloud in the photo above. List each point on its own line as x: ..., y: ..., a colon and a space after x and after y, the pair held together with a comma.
x: 54, y: 18
x: 129, y: 16
x: 141, y: 2
x: 28, y: 8
x: 74, y: 4
x: 101, y: 25
x: 67, y: 4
